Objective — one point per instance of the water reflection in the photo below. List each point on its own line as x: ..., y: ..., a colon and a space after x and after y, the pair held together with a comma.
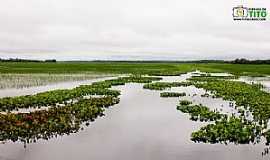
x: 142, y: 126
x: 151, y: 128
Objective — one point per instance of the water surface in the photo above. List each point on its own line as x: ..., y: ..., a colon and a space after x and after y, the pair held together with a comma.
x: 142, y: 126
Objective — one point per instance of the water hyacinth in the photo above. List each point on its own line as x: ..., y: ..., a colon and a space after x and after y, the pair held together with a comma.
x: 199, y: 112
x: 165, y: 85
x: 172, y: 94
x: 211, y: 78
x: 229, y: 130
x: 59, y: 120
x: 185, y: 102
x: 237, y: 130
x: 250, y: 96
x: 225, y: 129
x: 45, y: 124
x: 51, y: 98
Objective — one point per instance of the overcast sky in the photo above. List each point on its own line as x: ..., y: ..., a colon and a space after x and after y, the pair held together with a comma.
x: 131, y: 29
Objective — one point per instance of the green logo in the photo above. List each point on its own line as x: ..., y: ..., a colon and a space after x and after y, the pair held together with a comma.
x: 253, y: 14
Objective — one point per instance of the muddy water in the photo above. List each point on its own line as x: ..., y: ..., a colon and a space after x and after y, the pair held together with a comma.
x: 142, y: 126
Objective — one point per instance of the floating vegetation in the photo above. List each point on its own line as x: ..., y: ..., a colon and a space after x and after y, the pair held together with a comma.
x: 166, y: 73
x: 59, y: 120
x: 250, y: 96
x: 199, y: 112
x: 229, y: 130
x: 172, y: 94
x: 185, y: 102
x: 123, y: 80
x: 211, y: 78
x: 226, y: 129
x: 165, y: 85
x: 51, y: 98
x: 237, y: 130
x: 45, y: 124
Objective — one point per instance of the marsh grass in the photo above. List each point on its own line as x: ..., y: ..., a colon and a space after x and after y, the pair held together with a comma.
x: 151, y: 68
x: 30, y: 80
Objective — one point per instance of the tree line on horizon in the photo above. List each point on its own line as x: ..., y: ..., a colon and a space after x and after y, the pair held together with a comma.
x: 246, y: 61
x: 26, y: 60
x: 236, y: 61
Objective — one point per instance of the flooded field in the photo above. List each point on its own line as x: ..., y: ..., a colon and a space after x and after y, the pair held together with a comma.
x: 141, y: 126
x: 30, y: 80
x: 10, y: 92
x: 265, y: 81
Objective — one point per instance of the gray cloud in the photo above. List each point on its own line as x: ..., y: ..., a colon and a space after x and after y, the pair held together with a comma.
x: 126, y: 29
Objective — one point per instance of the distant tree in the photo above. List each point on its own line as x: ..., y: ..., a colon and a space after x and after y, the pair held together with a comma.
x: 22, y: 60
x: 245, y: 61
x: 50, y: 60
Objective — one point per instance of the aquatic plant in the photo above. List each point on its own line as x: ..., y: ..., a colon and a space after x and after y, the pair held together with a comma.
x: 51, y: 98
x: 172, y: 94
x: 59, y: 120
x: 199, y: 112
x: 209, y: 78
x: 250, y: 96
x: 167, y: 73
x: 45, y: 124
x: 184, y: 102
x: 229, y: 130
x: 165, y: 85
x: 123, y: 80
x: 236, y: 129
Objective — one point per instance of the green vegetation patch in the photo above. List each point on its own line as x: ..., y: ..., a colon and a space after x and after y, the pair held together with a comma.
x: 226, y: 129
x: 165, y: 85
x: 232, y: 129
x: 211, y: 78
x: 45, y: 124
x: 250, y: 96
x: 143, y: 68
x: 150, y: 68
x: 52, y: 98
x: 172, y: 94
x: 199, y: 112
x: 235, y: 69
x: 123, y: 80
x: 185, y: 102
x: 59, y: 120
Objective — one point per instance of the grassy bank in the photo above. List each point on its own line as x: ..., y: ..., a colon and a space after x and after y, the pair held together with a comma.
x: 94, y: 67
x: 237, y: 69
x: 155, y: 68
